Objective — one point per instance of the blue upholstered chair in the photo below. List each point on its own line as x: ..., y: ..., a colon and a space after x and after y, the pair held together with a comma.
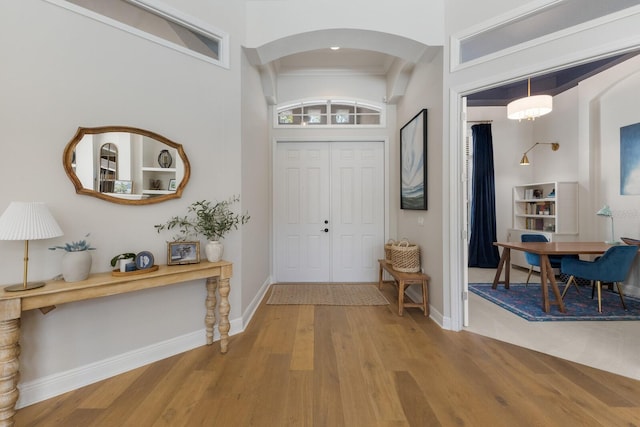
x: 534, y: 259
x: 611, y: 267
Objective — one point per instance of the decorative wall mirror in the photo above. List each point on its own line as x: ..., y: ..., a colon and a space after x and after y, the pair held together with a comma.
x: 126, y: 165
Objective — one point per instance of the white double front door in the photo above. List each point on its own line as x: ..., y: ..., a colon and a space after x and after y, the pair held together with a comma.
x: 329, y: 211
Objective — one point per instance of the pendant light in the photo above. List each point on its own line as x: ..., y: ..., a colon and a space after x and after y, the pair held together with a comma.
x: 529, y: 107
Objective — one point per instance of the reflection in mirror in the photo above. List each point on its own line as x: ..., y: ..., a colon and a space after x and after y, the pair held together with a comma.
x: 126, y: 165
x: 108, y: 167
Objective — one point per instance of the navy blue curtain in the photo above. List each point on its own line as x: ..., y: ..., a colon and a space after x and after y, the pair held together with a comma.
x: 482, y: 253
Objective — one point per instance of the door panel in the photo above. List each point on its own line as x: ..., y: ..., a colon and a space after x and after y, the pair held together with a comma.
x: 301, y: 207
x: 337, y: 187
x: 358, y: 210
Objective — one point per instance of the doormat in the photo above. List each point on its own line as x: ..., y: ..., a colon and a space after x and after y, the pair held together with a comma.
x: 326, y: 294
x: 526, y: 302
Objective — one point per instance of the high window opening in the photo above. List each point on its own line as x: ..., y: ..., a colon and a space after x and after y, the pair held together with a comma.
x: 159, y: 23
x: 329, y: 112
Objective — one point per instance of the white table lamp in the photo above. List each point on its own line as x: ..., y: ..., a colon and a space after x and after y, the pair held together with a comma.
x: 27, y: 221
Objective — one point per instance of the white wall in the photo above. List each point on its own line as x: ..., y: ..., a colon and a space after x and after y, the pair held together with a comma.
x: 269, y: 20
x: 425, y: 91
x: 607, y: 102
x: 360, y: 86
x: 62, y: 70
x: 256, y: 189
x: 561, y: 126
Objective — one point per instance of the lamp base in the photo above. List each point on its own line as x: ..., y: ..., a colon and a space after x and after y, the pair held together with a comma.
x: 20, y: 286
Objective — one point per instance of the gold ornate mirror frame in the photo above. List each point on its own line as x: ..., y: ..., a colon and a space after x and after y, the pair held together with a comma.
x: 144, y: 182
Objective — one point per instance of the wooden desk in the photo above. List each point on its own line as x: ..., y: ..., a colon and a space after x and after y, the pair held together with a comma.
x: 404, y: 279
x: 12, y: 304
x: 546, y: 272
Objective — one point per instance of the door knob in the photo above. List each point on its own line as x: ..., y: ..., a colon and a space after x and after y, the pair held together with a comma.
x: 326, y: 230
x: 326, y: 221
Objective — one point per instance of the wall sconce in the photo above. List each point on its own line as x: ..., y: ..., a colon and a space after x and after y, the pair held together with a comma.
x: 606, y: 211
x: 27, y: 221
x: 529, y: 107
x: 525, y: 160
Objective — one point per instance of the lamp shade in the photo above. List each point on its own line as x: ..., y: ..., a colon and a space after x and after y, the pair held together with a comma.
x: 28, y: 221
x: 605, y: 211
x: 530, y: 107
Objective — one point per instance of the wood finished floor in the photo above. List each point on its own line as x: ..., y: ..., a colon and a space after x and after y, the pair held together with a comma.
x: 350, y: 366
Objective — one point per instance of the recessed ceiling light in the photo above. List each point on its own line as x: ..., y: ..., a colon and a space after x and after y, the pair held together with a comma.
x: 334, y: 47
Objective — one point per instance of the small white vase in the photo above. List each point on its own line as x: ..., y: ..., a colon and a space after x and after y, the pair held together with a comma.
x: 76, y: 266
x: 214, y: 250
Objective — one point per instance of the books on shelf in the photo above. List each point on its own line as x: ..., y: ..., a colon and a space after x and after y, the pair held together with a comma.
x: 535, y: 224
x: 540, y: 208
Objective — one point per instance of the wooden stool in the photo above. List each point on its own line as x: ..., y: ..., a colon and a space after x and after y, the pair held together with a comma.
x: 402, y: 280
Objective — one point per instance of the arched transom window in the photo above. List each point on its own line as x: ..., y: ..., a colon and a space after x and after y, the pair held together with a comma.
x: 329, y: 112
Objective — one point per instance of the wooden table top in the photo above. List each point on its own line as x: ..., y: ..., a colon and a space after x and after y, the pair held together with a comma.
x: 557, y: 248
x: 105, y: 284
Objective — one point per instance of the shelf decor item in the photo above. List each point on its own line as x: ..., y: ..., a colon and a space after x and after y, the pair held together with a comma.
x: 164, y: 159
x: 76, y: 262
x: 123, y: 259
x: 27, y: 221
x: 179, y: 253
x: 211, y: 220
x: 144, y: 260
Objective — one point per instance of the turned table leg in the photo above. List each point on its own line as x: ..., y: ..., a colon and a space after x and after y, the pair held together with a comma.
x: 9, y: 352
x: 210, y: 303
x: 223, y: 326
x: 223, y: 287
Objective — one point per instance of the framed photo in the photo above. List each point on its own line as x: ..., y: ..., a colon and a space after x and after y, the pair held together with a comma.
x: 413, y: 163
x: 183, y: 253
x: 122, y: 187
x: 172, y: 185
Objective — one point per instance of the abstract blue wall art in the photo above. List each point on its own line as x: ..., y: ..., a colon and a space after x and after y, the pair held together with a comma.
x: 413, y: 163
x: 630, y: 160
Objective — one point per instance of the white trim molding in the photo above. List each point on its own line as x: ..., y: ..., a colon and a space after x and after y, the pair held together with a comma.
x: 168, y: 13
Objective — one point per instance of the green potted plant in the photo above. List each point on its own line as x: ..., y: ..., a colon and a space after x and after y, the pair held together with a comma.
x: 76, y: 261
x: 208, y: 219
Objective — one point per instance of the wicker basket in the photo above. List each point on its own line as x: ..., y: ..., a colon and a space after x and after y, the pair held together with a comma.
x: 405, y: 257
x: 387, y: 251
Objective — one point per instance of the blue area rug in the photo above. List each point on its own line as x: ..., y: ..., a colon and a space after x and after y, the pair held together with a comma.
x: 526, y: 302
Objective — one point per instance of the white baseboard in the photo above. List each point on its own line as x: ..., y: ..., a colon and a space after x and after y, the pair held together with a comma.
x: 255, y: 303
x: 53, y: 385
x: 436, y: 316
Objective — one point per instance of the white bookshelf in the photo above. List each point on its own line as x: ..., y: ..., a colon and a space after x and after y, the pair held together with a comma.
x: 547, y: 208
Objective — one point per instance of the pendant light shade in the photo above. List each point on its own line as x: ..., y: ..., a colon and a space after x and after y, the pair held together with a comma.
x: 530, y: 107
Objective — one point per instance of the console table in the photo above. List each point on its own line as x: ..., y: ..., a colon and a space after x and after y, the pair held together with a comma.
x: 12, y: 304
